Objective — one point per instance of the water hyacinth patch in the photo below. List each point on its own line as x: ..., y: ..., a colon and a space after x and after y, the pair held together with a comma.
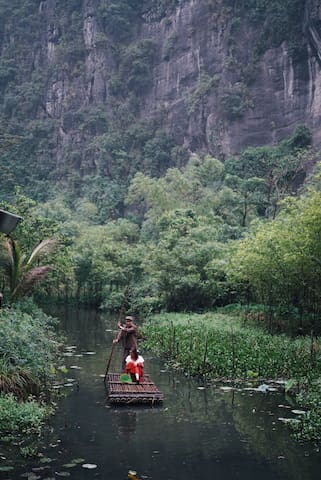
x: 220, y: 347
x: 6, y: 468
x: 217, y: 345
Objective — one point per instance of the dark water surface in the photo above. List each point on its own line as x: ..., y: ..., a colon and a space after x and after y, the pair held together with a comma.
x: 198, y: 433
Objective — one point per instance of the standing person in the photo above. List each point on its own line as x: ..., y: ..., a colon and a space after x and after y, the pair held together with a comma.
x: 128, y: 336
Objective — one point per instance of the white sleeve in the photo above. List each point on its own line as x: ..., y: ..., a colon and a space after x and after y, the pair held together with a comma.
x: 128, y: 359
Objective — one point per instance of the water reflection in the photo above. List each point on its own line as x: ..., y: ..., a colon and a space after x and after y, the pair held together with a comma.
x: 124, y: 423
x: 201, y: 431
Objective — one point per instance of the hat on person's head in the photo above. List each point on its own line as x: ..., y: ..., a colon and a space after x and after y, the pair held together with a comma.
x: 129, y: 317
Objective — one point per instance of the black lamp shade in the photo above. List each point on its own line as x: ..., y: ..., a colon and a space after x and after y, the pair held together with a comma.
x: 8, y: 221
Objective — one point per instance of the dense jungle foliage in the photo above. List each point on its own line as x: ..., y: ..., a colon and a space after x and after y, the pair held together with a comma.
x: 202, y: 236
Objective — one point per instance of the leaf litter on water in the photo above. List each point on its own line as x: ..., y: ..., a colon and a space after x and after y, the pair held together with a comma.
x: 6, y: 468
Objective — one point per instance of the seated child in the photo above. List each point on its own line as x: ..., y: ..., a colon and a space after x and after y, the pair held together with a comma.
x: 134, y: 366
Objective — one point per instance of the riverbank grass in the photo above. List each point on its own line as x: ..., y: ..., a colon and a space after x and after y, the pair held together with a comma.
x: 29, y: 349
x: 222, y: 348
x: 218, y: 344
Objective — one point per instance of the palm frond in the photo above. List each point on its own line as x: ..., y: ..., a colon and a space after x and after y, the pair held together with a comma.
x: 29, y: 279
x: 19, y: 381
x: 14, y: 261
x: 46, y: 246
x: 4, y: 261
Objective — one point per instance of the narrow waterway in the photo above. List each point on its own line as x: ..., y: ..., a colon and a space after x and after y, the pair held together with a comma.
x: 199, y: 432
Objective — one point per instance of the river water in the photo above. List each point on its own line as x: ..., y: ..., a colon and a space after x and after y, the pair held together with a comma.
x: 200, y: 431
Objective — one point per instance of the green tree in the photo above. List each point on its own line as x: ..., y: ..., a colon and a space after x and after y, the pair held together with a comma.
x: 281, y: 262
x: 281, y: 168
x: 180, y: 264
x: 249, y: 195
x: 106, y: 260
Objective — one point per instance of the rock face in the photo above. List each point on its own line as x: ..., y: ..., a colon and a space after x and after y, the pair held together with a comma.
x: 208, y: 86
x: 281, y: 94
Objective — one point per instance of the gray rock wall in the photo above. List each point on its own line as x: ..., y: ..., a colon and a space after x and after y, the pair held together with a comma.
x: 281, y: 95
x: 207, y: 88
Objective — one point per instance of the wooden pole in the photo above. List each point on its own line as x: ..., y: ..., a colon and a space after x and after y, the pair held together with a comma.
x: 121, y: 312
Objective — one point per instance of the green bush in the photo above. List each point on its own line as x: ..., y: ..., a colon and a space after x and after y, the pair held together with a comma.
x: 136, y: 67
x: 236, y: 101
x: 28, y: 350
x: 21, y: 417
x: 277, y: 21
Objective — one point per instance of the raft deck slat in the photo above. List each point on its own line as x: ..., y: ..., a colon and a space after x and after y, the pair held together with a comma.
x: 128, y: 393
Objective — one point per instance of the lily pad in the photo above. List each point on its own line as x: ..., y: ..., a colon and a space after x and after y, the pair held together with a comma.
x: 90, y: 466
x: 263, y: 388
x: 6, y: 468
x: 30, y: 476
x: 288, y: 420
x: 77, y: 460
x: 45, y: 460
x: 70, y: 465
x: 62, y: 474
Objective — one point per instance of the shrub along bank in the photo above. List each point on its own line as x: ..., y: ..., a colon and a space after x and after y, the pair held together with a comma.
x: 219, y: 346
x: 29, y: 349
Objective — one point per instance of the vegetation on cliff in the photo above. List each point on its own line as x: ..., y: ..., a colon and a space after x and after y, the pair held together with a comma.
x: 94, y: 142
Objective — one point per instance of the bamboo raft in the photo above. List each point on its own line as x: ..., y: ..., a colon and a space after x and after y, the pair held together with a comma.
x: 121, y: 393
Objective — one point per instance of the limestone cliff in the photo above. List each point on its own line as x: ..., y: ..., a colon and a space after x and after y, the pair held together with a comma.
x: 280, y: 94
x: 202, y: 77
